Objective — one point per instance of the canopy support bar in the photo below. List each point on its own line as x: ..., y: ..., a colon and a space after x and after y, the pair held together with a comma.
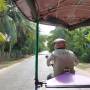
x: 37, y: 83
x: 36, y: 51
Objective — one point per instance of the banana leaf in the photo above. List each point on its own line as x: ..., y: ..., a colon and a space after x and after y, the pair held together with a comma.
x: 2, y: 38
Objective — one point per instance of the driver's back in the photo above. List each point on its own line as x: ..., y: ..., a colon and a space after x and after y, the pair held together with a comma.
x: 63, y: 59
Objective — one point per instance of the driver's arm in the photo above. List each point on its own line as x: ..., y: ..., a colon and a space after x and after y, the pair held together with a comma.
x: 50, y: 58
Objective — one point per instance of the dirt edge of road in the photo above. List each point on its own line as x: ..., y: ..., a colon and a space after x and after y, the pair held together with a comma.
x: 9, y: 63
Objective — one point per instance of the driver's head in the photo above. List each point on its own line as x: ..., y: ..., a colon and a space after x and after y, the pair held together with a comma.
x: 59, y: 43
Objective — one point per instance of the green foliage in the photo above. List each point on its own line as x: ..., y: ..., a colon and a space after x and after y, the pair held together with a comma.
x: 2, y: 38
x: 3, y: 5
x: 77, y: 40
x: 57, y: 33
x: 42, y: 40
x: 88, y: 37
x: 85, y: 57
x: 10, y: 28
x: 20, y: 33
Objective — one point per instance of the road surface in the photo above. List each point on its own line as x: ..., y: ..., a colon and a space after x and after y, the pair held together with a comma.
x: 20, y: 76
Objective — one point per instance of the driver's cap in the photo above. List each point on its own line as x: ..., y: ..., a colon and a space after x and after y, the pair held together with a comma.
x: 59, y: 40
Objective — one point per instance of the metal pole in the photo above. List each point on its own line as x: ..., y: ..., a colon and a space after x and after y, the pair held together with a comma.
x: 36, y: 53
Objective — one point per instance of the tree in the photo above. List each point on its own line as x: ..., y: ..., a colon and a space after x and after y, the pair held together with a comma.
x: 77, y: 40
x: 42, y: 41
x: 15, y: 28
x: 57, y: 33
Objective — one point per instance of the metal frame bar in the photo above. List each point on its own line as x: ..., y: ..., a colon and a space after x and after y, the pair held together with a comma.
x: 36, y: 51
x: 68, y: 86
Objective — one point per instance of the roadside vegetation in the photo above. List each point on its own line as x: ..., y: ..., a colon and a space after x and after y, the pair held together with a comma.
x: 77, y: 40
x: 17, y: 34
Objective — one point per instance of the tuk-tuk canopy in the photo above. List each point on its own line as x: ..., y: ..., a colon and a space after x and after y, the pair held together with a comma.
x: 67, y: 13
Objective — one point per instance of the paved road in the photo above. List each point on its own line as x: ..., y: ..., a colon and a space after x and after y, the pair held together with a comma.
x: 21, y: 76
x: 18, y: 77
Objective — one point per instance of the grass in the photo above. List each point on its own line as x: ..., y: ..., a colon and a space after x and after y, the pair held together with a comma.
x: 84, y: 65
x: 7, y: 63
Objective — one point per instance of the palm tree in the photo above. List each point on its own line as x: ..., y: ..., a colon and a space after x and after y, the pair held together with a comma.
x: 9, y: 25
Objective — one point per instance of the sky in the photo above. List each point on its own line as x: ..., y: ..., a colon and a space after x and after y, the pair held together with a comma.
x: 45, y: 29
